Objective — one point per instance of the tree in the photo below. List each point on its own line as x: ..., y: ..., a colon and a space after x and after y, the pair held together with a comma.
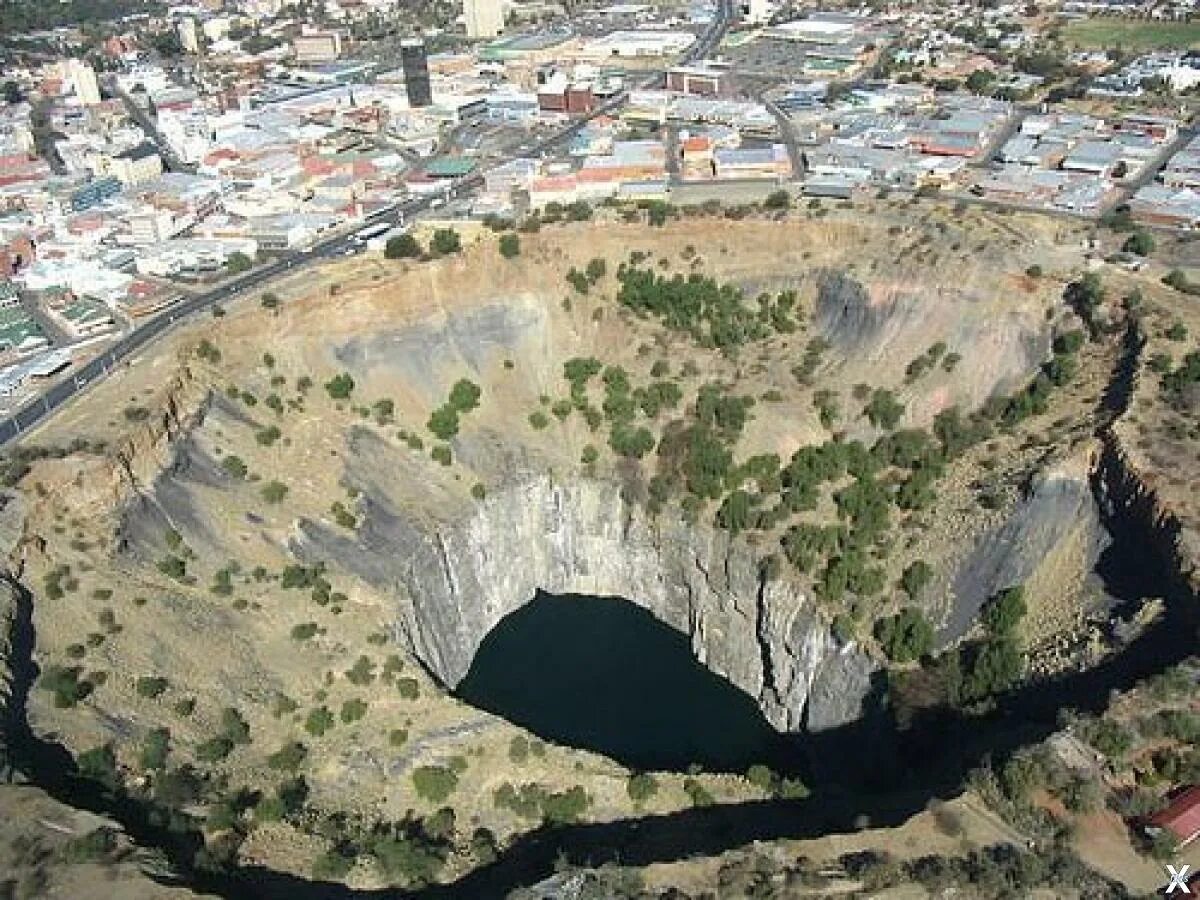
x: 641, y: 787
x: 237, y: 263
x: 464, y: 396
x: 318, y: 721
x: 916, y: 577
x: 151, y: 686
x: 445, y: 241
x: 1004, y: 612
x: 510, y: 246
x: 340, y: 386
x: 274, y: 491
x: 884, y: 411
x: 289, y: 757
x: 403, y: 246
x: 1140, y: 243
x: 778, y: 200
x: 981, y: 81
x: 434, y: 783
x: 443, y: 422
x: 905, y: 637
x: 154, y: 749
x: 271, y: 302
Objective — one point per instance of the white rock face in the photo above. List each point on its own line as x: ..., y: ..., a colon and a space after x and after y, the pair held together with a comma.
x: 461, y: 576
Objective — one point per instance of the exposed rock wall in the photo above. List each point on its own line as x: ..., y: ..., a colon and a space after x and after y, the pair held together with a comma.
x: 1057, y: 512
x: 461, y: 576
x: 1132, y: 493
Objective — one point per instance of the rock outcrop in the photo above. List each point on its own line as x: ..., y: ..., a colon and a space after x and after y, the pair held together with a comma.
x: 1056, y: 516
x: 460, y: 576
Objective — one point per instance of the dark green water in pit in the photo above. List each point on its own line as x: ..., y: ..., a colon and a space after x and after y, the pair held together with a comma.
x: 602, y: 674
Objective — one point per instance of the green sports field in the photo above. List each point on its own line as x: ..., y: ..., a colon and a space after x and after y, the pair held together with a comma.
x: 1131, y: 35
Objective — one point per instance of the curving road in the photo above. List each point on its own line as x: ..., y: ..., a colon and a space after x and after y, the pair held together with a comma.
x: 37, y: 410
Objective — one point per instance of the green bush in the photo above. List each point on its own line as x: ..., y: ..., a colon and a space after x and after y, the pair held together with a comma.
x: 274, y: 491
x: 289, y: 757
x: 443, y: 423
x: 65, y: 684
x: 234, y: 466
x: 403, y: 246
x: 214, y: 749
x: 434, y: 783
x: 155, y: 746
x: 464, y: 395
x: 1140, y: 243
x: 318, y: 721
x: 510, y: 246
x: 151, y: 686
x: 445, y: 241
x: 641, y: 787
x: 778, y: 200
x: 1004, y: 612
x: 353, y: 710
x: 340, y: 387
x: 916, y: 576
x: 905, y: 637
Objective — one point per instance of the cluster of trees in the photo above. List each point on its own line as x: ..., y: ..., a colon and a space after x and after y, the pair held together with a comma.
x: 714, y: 315
x: 532, y: 801
x: 977, y: 670
x: 905, y: 637
x: 584, y: 281
x: 464, y: 397
x: 1175, y: 381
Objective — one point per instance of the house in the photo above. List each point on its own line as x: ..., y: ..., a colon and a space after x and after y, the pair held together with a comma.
x: 1181, y: 818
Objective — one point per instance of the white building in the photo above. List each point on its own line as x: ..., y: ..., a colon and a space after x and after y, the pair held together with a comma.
x: 83, y: 80
x: 757, y: 12
x: 485, y: 18
x: 660, y: 42
x: 189, y: 36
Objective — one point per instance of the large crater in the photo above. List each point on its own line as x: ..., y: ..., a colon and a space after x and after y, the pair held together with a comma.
x: 578, y: 536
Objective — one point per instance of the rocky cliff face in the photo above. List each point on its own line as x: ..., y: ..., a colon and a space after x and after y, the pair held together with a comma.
x: 1057, y: 514
x: 459, y: 577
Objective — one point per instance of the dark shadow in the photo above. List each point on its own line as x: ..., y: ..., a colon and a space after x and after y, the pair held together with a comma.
x: 605, y: 675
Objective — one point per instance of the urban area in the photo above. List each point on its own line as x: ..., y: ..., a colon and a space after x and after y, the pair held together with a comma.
x: 141, y: 165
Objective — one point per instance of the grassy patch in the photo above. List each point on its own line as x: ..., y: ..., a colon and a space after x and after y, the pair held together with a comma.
x: 1133, y: 36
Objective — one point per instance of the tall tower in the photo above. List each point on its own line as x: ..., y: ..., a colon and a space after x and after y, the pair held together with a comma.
x: 416, y: 72
x: 485, y: 18
x: 83, y: 78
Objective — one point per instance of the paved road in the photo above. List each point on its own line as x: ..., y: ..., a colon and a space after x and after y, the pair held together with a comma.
x: 38, y: 409
x: 787, y: 133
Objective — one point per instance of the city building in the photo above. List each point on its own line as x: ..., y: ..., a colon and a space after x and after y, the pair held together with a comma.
x: 416, y: 73
x: 314, y: 46
x: 136, y: 165
x: 705, y: 80
x: 485, y: 18
x: 756, y: 12
x: 189, y: 36
x: 83, y: 80
x: 634, y: 44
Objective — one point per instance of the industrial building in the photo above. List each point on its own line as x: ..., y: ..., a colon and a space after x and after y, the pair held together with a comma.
x: 313, y: 45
